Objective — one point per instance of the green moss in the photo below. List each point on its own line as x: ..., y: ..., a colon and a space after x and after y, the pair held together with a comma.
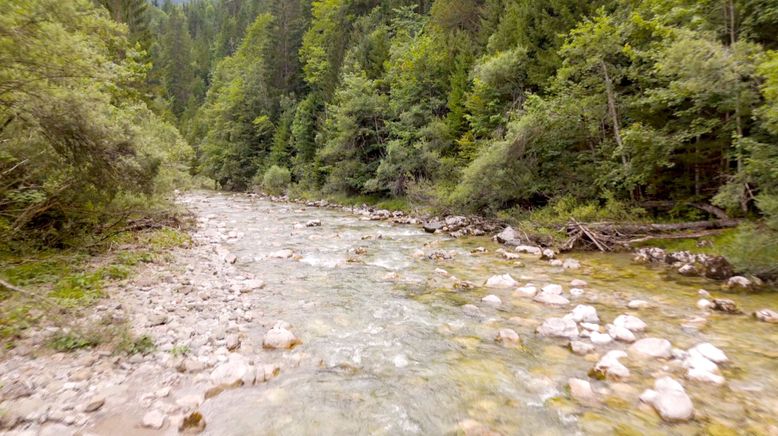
x: 116, y: 272
x: 79, y: 289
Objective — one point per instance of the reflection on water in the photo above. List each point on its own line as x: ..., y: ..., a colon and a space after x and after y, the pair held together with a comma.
x: 387, y: 348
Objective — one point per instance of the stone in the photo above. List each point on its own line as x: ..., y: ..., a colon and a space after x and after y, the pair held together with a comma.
x: 591, y: 326
x: 558, y: 327
x: 600, y: 338
x: 156, y: 319
x: 189, y: 365
x: 718, y: 268
x: 610, y: 367
x: 767, y: 315
x: 551, y: 299
x: 697, y: 374
x: 552, y: 289
x: 581, y: 390
x: 230, y: 374
x: 710, y: 352
x: 526, y: 291
x: 652, y: 347
x: 492, y: 300
x: 699, y: 362
x: 571, y: 264
x: 279, y: 337
x: 507, y: 235
x: 313, y: 223
x: 670, y: 400
x: 507, y: 337
x: 192, y: 423
x: 528, y: 249
x: 581, y: 348
x: 232, y: 342
x: 281, y: 254
x: 94, y: 404
x: 191, y: 401
x: 432, y: 226
x: 630, y: 322
x: 576, y: 292
x: 725, y: 305
x: 739, y: 282
x: 231, y: 258
x: 639, y: 304
x: 547, y: 254
x: 578, y: 283
x: 471, y: 310
x: 252, y: 285
x: 585, y: 313
x: 501, y: 281
x: 154, y: 419
x: 687, y: 270
x: 704, y: 304
x: 621, y: 333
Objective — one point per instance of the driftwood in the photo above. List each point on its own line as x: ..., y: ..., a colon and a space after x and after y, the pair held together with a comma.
x: 607, y: 236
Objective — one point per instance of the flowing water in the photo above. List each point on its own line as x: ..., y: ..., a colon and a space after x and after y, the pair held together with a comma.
x: 387, y: 348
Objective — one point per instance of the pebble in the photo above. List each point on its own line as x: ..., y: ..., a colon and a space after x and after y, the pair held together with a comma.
x: 621, y: 333
x: 610, y: 366
x: 154, y: 419
x: 492, y: 300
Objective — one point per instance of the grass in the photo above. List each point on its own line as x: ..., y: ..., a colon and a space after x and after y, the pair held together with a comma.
x: 64, y: 282
x: 136, y: 345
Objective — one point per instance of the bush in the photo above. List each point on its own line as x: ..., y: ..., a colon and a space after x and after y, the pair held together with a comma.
x: 276, y: 180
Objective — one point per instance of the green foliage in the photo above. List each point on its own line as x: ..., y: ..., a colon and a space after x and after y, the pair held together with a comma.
x: 129, y: 344
x: 73, y: 340
x: 276, y: 179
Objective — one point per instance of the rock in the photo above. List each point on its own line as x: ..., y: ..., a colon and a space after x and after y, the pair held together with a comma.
x: 156, y: 319
x: 703, y: 293
x: 581, y: 390
x: 501, y: 281
x: 739, y: 282
x: 230, y: 374
x: 591, y: 326
x: 652, y: 347
x: 441, y: 272
x: 94, y: 404
x: 718, y: 268
x: 471, y: 310
x: 232, y: 342
x: 650, y: 254
x: 704, y: 304
x: 585, y: 313
x: 552, y: 289
x: 687, y: 270
x: 192, y: 423
x: 231, y: 258
x: 528, y: 249
x: 507, y: 235
x: 555, y: 262
x: 767, y: 315
x: 699, y: 362
x: 252, y: 285
x: 610, y: 367
x: 279, y: 337
x: 638, y: 304
x: 558, y: 327
x: 281, y: 254
x: 630, y: 322
x: 600, y: 338
x: 189, y: 365
x: 154, y: 419
x: 621, y: 333
x: 669, y: 399
x: 578, y: 283
x: 471, y: 427
x: 547, y: 254
x: 576, y: 292
x: 581, y: 348
x: 492, y: 300
x: 433, y: 226
x: 508, y: 337
x: 313, y: 223
x: 551, y: 299
x: 571, y: 264
x: 526, y: 291
x: 455, y: 222
x: 704, y: 376
x: 710, y: 352
x: 725, y: 305
x: 479, y: 250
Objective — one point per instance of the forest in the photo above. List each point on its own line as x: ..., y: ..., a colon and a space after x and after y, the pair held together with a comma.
x: 608, y: 109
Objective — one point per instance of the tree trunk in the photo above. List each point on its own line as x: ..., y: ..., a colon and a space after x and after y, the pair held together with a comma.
x: 613, y: 113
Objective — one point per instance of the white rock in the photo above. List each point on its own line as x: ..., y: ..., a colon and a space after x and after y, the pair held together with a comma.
x: 592, y: 327
x: 704, y: 304
x: 585, y: 313
x: 630, y: 322
x: 638, y: 304
x: 507, y: 336
x: 441, y: 272
x: 600, y: 338
x: 231, y: 373
x: 154, y: 419
x: 492, y: 300
x: 610, y: 366
x: 526, y: 291
x: 558, y: 327
x: 571, y: 264
x: 552, y: 289
x: 281, y: 254
x: 551, y: 299
x: 704, y: 376
x: 578, y: 283
x: 695, y: 360
x: 739, y: 282
x: 669, y: 400
x: 501, y: 281
x: 529, y: 249
x: 710, y: 352
x: 581, y: 390
x: 576, y: 292
x: 621, y: 333
x: 400, y: 361
x: 652, y: 347
x: 279, y: 337
x: 471, y: 310
x: 581, y: 348
x: 703, y: 293
x: 687, y: 270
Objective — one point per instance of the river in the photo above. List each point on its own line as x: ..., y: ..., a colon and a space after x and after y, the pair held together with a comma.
x: 387, y: 349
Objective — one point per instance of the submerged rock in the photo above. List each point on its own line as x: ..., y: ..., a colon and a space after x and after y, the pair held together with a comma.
x: 279, y: 337
x: 571, y: 264
x: 551, y: 299
x: 585, y: 313
x: 578, y: 283
x: 725, y: 305
x: 471, y: 310
x: 501, y: 281
x: 670, y: 400
x: 552, y: 289
x: 558, y: 327
x: 652, y: 347
x: 581, y: 390
x: 526, y: 291
x: 581, y: 348
x: 528, y: 249
x: 639, y: 304
x: 492, y: 300
x: 767, y: 315
x: 621, y: 333
x: 710, y: 352
x: 610, y: 366
x: 508, y: 336
x: 630, y: 322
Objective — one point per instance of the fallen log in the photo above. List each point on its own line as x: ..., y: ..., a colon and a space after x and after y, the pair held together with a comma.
x: 635, y: 229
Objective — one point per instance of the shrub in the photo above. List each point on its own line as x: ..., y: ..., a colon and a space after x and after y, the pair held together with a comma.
x: 276, y: 180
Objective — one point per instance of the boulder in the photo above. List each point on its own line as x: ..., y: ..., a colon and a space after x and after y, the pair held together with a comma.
x: 507, y: 235
x: 652, y: 347
x: 621, y: 333
x: 528, y: 249
x: 552, y: 289
x: 710, y: 352
x: 492, y: 300
x: 154, y: 419
x: 600, y: 338
x: 610, y: 367
x: 725, y: 305
x: 230, y: 374
x: 280, y: 338
x: 581, y: 390
x: 547, y: 254
x: 699, y: 362
x: 739, y: 282
x: 501, y: 281
x: 687, y: 270
x: 670, y: 400
x: 630, y: 322
x: 585, y: 313
x: 433, y: 226
x: 767, y: 315
x: 718, y: 268
x: 551, y: 299
x: 558, y: 327
x: 526, y: 291
x: 704, y: 304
